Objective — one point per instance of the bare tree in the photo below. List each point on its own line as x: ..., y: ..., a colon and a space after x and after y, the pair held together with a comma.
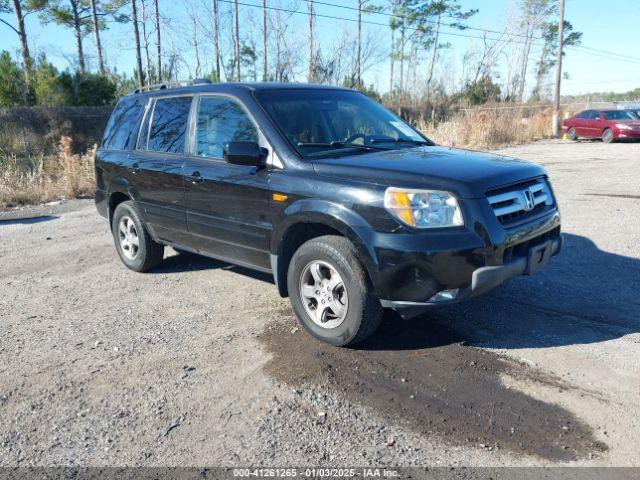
x: 145, y: 38
x: 236, y: 39
x: 216, y: 38
x: 311, y: 75
x: 136, y: 39
x: 158, y: 40
x: 286, y: 57
x: 264, y: 41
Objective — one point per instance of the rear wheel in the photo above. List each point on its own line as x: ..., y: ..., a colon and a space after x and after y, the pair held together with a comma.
x: 330, y: 292
x: 572, y: 134
x: 136, y: 248
x: 607, y: 135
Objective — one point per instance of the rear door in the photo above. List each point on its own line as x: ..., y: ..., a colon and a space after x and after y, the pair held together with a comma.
x: 596, y: 124
x: 226, y: 204
x: 156, y: 166
x: 581, y: 123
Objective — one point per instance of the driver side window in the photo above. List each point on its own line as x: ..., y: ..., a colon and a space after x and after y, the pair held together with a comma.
x: 221, y: 120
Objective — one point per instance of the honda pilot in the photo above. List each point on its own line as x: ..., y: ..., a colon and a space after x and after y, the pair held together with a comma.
x: 349, y: 207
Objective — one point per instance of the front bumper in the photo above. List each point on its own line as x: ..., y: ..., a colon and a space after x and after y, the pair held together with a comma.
x: 433, y: 268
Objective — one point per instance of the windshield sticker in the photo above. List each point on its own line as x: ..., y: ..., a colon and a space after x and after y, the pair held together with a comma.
x: 404, y: 129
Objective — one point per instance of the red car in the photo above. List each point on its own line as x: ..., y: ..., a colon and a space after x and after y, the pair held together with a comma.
x: 609, y: 125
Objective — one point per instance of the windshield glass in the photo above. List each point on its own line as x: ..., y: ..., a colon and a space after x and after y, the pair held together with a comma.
x: 319, y: 122
x: 619, y: 115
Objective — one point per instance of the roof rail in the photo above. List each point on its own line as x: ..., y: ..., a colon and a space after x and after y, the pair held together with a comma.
x: 174, y: 84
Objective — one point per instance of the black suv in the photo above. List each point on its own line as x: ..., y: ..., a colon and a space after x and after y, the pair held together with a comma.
x: 348, y: 206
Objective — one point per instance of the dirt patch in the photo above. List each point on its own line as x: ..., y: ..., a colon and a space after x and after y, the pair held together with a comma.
x: 422, y: 375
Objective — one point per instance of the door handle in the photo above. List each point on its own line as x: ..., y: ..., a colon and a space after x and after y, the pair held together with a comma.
x: 135, y: 168
x: 195, y: 177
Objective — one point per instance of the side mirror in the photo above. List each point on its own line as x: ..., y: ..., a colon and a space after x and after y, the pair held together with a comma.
x: 243, y: 153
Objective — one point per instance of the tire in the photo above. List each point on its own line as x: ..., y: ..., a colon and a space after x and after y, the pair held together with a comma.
x: 572, y: 134
x: 352, y: 312
x: 607, y: 135
x: 142, y: 257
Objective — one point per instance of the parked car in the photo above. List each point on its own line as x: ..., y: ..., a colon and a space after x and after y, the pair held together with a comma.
x: 609, y: 125
x: 346, y: 205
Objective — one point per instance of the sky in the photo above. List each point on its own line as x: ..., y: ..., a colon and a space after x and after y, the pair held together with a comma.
x: 608, y: 29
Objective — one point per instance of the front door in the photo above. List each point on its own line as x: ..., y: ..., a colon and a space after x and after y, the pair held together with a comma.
x: 226, y: 204
x: 156, y: 166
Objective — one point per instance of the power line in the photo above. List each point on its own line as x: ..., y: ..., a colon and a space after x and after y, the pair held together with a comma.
x: 485, y: 30
x: 586, y: 50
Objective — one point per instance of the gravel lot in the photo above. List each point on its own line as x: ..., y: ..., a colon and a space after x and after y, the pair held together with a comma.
x: 201, y: 363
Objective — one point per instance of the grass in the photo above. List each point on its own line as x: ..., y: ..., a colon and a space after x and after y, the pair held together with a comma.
x: 40, y: 178
x: 489, y: 128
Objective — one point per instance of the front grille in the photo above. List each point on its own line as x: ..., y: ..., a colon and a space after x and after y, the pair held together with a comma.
x: 523, y: 199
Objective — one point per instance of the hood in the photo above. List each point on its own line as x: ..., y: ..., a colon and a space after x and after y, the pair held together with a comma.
x: 466, y: 173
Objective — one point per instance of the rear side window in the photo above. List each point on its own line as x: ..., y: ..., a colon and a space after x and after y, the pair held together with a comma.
x: 123, y: 124
x: 165, y: 128
x: 221, y: 120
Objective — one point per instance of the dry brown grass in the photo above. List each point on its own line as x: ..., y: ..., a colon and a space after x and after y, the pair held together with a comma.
x: 490, y: 128
x: 25, y: 181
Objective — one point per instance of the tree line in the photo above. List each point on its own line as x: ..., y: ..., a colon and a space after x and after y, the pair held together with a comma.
x: 262, y: 41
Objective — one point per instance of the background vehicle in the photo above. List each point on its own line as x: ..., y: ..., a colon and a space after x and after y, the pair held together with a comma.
x: 609, y: 125
x: 349, y: 207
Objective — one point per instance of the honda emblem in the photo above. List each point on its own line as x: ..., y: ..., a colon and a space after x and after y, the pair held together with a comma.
x: 528, y: 200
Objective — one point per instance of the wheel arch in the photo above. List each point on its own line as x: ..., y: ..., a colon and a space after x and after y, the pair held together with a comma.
x: 312, y: 219
x: 115, y: 199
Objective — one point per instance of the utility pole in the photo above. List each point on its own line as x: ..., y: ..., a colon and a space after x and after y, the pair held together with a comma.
x: 556, y: 110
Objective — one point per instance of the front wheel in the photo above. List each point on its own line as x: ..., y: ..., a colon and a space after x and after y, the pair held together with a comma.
x: 572, y: 134
x: 136, y: 248
x: 330, y: 292
x: 607, y: 136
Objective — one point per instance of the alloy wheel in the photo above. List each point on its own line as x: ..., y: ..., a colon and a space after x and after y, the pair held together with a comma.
x: 128, y: 236
x: 323, y: 294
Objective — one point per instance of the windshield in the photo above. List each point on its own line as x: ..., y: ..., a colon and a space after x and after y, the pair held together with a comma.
x: 619, y: 115
x: 320, y: 123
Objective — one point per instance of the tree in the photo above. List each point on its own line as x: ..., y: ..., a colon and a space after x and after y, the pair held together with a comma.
x: 425, y: 16
x: 145, y: 38
x: 216, y: 39
x: 136, y: 39
x: 156, y: 19
x: 236, y: 38
x: 12, y: 83
x: 482, y: 91
x: 548, y: 53
x: 21, y: 9
x: 49, y: 90
x: 362, y: 8
x: 96, y: 32
x: 264, y: 41
x: 79, y: 16
x: 311, y: 74
x: 88, y: 89
x: 534, y: 14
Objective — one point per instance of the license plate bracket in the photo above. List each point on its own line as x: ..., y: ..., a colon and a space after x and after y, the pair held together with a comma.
x: 538, y: 257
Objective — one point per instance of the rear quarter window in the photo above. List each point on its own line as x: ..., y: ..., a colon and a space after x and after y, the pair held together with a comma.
x: 123, y: 124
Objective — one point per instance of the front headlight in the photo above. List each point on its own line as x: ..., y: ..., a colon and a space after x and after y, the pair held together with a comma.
x: 423, y: 208
x: 622, y: 126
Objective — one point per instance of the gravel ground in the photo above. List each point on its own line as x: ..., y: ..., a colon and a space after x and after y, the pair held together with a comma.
x: 201, y: 363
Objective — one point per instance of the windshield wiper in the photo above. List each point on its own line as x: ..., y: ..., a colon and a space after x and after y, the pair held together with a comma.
x: 400, y: 140
x: 339, y: 145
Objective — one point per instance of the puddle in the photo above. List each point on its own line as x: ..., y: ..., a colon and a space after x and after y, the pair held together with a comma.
x: 421, y: 375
